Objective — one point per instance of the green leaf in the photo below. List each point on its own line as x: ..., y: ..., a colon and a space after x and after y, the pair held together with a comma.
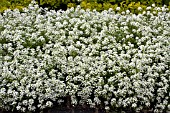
x: 112, y: 1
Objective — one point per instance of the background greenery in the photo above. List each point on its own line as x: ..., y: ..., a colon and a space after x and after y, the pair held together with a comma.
x: 99, y: 5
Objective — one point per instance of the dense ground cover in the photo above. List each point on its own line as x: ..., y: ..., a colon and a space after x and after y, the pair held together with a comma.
x: 117, y: 60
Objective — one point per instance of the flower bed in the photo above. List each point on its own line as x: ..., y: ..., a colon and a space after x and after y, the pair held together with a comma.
x: 118, y: 61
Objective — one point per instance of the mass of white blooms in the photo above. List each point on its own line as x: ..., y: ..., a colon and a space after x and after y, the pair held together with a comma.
x: 121, y: 60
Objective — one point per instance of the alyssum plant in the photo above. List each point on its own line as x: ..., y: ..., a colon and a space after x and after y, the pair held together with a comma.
x: 119, y: 60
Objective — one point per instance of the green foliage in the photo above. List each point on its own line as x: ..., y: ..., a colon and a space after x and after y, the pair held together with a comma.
x: 53, y: 3
x: 99, y: 5
x: 131, y: 5
x: 57, y: 4
x: 146, y: 2
x: 13, y: 4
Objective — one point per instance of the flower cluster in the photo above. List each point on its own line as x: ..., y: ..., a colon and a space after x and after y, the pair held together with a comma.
x: 119, y: 60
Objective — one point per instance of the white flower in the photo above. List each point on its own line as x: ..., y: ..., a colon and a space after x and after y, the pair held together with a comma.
x: 153, y: 5
x: 30, y: 101
x: 117, y: 8
x: 127, y: 11
x: 139, y: 8
x: 134, y: 105
x: 107, y: 108
x: 49, y: 103
x: 18, y: 107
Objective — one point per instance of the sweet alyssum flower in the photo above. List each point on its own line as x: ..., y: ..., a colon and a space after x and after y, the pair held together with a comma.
x: 120, y: 60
